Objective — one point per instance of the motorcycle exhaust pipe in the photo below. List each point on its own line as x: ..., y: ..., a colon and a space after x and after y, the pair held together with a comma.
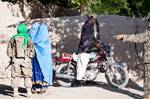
x: 58, y: 75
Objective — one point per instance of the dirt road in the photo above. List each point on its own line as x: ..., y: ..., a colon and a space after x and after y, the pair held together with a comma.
x: 99, y: 90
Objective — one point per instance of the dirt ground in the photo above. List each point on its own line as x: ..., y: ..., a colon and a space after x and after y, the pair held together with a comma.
x: 99, y: 90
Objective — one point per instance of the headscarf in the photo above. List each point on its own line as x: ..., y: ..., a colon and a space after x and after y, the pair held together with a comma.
x: 22, y: 31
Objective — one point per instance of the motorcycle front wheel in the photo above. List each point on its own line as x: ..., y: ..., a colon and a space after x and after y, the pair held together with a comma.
x: 68, y: 71
x: 118, y: 76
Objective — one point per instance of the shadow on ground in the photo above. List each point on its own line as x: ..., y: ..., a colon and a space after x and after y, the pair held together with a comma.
x: 131, y: 84
x: 125, y: 91
x: 122, y: 91
x: 134, y: 85
x: 8, y: 91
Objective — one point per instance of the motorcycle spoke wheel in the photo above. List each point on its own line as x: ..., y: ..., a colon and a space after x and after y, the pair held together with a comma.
x: 63, y: 69
x: 119, y: 78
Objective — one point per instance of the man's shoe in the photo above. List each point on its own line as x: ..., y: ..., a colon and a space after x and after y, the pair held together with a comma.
x: 77, y: 83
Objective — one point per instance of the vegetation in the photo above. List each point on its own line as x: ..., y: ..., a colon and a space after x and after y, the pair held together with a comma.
x: 131, y: 8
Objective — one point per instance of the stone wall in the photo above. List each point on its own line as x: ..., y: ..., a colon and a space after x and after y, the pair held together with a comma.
x: 65, y: 31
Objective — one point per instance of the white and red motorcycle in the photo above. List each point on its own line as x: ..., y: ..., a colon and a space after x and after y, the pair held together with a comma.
x: 116, y: 74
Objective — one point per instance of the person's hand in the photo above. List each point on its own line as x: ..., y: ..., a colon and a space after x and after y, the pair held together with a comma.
x: 119, y: 36
x: 54, y: 51
x: 97, y: 44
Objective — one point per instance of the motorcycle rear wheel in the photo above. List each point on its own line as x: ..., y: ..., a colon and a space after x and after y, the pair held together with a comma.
x: 119, y: 78
x: 63, y: 69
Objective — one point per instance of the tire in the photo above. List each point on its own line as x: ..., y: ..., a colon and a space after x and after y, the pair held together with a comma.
x: 119, y: 82
x: 62, y: 69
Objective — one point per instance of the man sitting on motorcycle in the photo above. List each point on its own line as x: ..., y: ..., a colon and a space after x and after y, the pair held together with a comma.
x: 89, y: 36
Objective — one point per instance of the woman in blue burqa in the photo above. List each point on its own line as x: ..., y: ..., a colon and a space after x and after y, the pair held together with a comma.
x: 42, y: 62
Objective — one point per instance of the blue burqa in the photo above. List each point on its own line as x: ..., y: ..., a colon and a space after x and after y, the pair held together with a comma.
x: 42, y: 62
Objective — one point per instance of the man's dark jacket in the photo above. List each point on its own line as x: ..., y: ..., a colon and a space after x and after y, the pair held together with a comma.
x: 88, y: 39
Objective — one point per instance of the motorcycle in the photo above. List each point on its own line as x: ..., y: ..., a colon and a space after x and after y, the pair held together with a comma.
x: 116, y: 74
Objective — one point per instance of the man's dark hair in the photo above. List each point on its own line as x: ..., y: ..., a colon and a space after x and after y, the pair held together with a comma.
x: 148, y: 20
